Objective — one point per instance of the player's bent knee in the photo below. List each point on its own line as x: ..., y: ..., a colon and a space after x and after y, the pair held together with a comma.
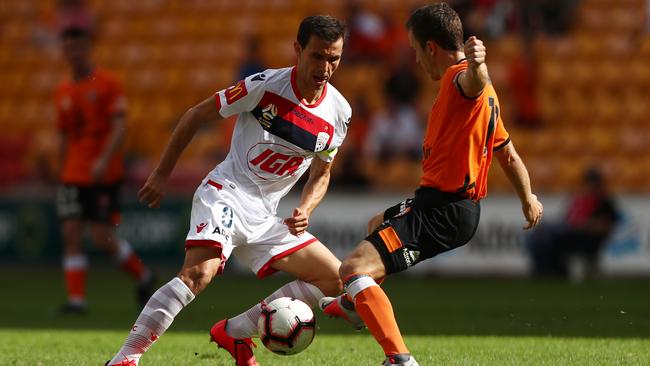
x: 196, y: 279
x: 350, y: 267
x: 331, y: 286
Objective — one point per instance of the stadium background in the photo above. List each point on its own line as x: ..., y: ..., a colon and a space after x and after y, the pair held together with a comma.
x: 573, y: 80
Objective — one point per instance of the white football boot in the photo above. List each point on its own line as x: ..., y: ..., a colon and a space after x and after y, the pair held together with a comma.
x: 332, y: 307
x: 400, y: 360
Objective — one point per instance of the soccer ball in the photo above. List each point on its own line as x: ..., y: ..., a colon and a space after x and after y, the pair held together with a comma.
x: 286, y: 326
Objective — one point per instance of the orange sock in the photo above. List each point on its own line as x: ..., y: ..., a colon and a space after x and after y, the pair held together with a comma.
x: 75, y: 281
x: 375, y: 309
x: 74, y: 274
x: 134, y: 266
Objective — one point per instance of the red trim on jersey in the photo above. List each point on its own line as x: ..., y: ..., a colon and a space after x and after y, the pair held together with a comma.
x: 266, y: 269
x: 215, y: 184
x: 291, y: 112
x: 217, y: 99
x: 294, y: 86
x: 193, y: 243
x: 236, y: 92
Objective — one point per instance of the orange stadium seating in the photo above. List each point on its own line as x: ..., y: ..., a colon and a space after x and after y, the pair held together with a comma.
x: 593, y: 83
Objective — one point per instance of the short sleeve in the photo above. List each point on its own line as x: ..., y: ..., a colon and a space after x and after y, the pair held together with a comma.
x: 340, y: 133
x: 501, y: 136
x: 241, y: 97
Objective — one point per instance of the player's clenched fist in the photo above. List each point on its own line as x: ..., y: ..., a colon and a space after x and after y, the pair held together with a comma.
x: 474, y: 51
x: 298, y: 222
x: 153, y: 190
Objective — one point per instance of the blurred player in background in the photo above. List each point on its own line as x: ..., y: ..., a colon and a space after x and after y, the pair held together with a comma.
x: 91, y: 117
x: 464, y: 130
x: 289, y: 120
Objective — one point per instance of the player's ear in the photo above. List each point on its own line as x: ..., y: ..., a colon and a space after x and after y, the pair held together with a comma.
x: 431, y: 48
x: 297, y: 48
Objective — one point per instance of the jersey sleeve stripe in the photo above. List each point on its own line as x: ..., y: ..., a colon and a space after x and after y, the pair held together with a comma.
x: 390, y: 238
x: 217, y: 100
x: 502, y: 145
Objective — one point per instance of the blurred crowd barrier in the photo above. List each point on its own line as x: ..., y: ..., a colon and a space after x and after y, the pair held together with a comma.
x: 29, y: 232
x: 573, y: 79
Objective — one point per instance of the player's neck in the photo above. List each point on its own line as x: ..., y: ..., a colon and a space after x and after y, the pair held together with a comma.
x: 309, y: 95
x: 450, y: 59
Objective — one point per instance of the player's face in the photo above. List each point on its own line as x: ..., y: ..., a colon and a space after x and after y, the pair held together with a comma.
x: 424, y: 57
x: 318, y: 61
x: 76, y: 50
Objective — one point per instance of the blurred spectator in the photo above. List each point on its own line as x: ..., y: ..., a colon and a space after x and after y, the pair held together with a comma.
x: 551, y: 17
x: 485, y: 18
x: 590, y: 218
x: 252, y: 63
x: 91, y: 110
x: 348, y: 170
x: 366, y: 30
x: 396, y: 131
x: 523, y: 82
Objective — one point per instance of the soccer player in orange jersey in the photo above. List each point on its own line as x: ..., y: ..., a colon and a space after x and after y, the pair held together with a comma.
x: 464, y: 130
x: 91, y: 111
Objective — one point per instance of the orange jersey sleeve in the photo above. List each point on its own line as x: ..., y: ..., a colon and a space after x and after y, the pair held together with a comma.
x: 461, y: 135
x: 85, y: 112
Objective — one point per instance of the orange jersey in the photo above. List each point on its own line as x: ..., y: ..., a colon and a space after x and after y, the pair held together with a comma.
x: 461, y: 135
x: 85, y: 111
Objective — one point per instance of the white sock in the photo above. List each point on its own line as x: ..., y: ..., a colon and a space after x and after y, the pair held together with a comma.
x: 154, y: 319
x: 244, y: 325
x: 357, y: 284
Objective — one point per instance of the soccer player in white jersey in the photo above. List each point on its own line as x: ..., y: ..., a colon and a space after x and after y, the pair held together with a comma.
x: 290, y: 120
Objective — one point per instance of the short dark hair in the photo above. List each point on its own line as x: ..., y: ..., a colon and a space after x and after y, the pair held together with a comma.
x: 438, y: 23
x: 324, y: 27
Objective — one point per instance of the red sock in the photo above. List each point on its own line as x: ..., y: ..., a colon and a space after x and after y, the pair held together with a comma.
x: 375, y: 309
x: 74, y: 273
x: 134, y: 266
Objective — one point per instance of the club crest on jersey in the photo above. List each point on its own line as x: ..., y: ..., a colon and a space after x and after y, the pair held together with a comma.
x: 268, y: 115
x: 321, y: 141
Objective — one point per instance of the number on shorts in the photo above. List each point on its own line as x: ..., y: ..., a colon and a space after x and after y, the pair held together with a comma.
x: 226, y: 217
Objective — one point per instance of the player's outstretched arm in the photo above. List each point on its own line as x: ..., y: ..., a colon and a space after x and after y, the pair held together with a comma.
x: 476, y: 77
x: 312, y: 194
x: 154, y: 189
x: 517, y: 173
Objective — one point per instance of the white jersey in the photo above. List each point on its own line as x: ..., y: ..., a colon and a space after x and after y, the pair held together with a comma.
x: 276, y: 135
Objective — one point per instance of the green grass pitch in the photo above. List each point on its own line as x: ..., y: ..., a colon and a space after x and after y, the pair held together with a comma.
x: 445, y: 322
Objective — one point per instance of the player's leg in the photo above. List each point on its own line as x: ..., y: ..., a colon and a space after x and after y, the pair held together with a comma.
x: 207, y: 250
x: 75, y: 266
x: 359, y: 272
x: 103, y: 210
x: 364, y: 268
x: 70, y: 211
x: 316, y: 272
x: 201, y: 265
x: 106, y: 239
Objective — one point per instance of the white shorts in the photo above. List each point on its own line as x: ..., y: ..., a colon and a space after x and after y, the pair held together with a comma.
x: 223, y: 218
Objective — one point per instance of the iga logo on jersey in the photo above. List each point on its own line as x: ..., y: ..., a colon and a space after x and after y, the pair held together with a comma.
x: 272, y: 161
